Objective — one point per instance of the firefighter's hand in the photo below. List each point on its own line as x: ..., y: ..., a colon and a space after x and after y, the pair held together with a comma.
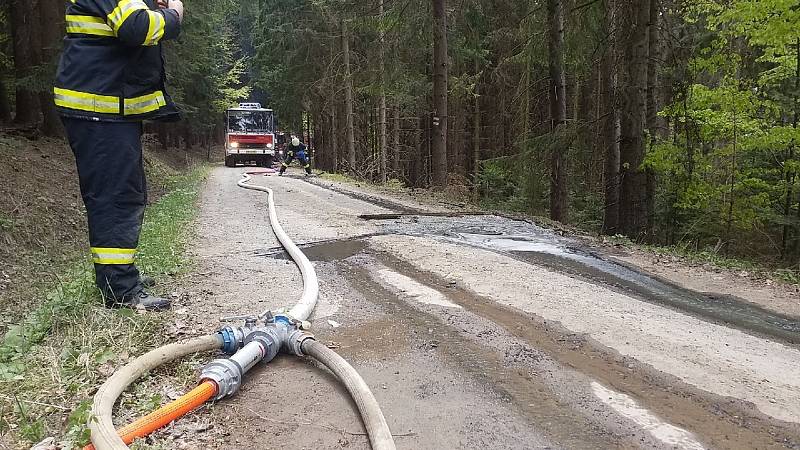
x: 177, y: 5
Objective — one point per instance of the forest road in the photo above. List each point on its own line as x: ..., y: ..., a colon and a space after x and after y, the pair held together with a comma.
x: 478, y: 331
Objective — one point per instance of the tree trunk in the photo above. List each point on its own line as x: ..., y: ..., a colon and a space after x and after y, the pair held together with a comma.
x: 5, y: 105
x: 633, y: 189
x: 334, y: 139
x: 583, y: 119
x: 415, y: 162
x: 426, y: 170
x: 42, y: 14
x: 161, y: 135
x: 382, y: 100
x: 732, y: 186
x: 558, y: 109
x: 687, y: 127
x: 23, y: 30
x: 52, y: 31
x: 792, y: 175
x: 396, y: 141
x: 525, y: 85
x: 610, y: 141
x: 318, y: 140
x: 476, y: 132
x: 653, y: 67
x: 440, y: 64
x: 348, y: 100
x: 797, y: 232
x: 653, y: 107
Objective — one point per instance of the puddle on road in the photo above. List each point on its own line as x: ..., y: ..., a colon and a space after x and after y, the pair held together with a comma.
x: 334, y: 250
x: 547, y: 250
x: 327, y: 251
x: 513, y: 243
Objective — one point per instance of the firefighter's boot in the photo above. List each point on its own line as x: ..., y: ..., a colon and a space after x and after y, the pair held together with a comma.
x: 143, y: 300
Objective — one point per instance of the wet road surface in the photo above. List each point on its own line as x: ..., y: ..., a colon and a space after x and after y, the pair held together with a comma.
x: 478, y: 331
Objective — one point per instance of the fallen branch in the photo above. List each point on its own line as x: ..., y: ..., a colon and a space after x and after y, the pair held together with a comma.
x: 31, y: 402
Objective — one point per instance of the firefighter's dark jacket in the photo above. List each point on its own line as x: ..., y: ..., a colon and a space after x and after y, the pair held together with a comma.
x: 112, y: 68
x: 299, y: 151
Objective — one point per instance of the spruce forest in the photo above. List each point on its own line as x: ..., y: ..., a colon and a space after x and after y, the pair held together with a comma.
x: 668, y: 122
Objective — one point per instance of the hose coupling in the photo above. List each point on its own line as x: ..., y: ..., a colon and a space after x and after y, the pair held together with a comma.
x: 231, y: 340
x: 270, y: 339
x: 226, y: 373
x: 294, y: 344
x: 284, y: 319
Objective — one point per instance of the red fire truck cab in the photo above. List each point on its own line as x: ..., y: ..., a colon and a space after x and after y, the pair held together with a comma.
x: 250, y: 135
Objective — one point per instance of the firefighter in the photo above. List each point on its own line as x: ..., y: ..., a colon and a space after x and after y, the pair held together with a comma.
x: 295, y: 149
x: 110, y: 79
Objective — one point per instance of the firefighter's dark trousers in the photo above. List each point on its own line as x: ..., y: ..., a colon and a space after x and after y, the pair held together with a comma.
x: 111, y: 173
x: 301, y: 158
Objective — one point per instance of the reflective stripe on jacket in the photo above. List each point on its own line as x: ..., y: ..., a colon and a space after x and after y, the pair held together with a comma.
x: 112, y: 67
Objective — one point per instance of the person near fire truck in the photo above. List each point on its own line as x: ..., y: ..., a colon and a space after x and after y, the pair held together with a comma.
x: 295, y: 149
x: 110, y: 79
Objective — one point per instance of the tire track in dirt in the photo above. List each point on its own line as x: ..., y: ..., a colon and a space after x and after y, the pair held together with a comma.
x: 725, y: 422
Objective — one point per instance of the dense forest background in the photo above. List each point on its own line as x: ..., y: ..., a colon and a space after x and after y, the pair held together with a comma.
x: 669, y: 122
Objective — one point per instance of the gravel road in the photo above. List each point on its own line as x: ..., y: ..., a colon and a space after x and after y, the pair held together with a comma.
x: 477, y: 331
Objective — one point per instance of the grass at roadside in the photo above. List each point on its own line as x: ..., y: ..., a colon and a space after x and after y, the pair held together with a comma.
x: 53, y: 360
x: 337, y: 177
x: 714, y: 259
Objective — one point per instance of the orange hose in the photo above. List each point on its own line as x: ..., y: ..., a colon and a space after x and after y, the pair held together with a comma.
x: 166, y: 414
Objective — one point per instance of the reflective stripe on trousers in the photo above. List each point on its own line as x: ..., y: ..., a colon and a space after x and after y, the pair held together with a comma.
x: 108, y: 256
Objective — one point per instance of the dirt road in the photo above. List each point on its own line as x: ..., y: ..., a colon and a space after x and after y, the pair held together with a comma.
x: 478, y: 331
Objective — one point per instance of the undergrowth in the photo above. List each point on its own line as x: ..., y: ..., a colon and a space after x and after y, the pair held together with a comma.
x: 53, y: 360
x: 714, y: 259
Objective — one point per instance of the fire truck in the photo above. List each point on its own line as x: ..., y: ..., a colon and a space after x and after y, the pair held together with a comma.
x: 250, y: 135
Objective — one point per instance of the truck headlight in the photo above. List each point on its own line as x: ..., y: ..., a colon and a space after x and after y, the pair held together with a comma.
x: 234, y: 145
x: 270, y: 145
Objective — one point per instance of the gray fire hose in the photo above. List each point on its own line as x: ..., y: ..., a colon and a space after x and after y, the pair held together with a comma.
x: 261, y: 344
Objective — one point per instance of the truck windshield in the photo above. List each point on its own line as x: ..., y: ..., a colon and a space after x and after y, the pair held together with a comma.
x: 250, y: 121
